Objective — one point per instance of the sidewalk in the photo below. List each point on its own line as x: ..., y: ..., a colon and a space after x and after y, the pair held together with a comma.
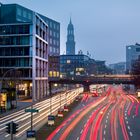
x: 26, y: 103
x: 20, y: 105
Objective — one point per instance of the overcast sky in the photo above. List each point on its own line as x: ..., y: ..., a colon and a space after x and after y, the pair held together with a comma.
x: 102, y: 27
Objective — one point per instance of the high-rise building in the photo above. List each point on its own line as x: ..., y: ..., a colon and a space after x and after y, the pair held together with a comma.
x: 70, y: 44
x: 54, y: 47
x: 132, y: 53
x: 24, y: 46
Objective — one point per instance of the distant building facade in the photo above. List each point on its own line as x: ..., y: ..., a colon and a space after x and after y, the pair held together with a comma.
x: 24, y: 46
x: 70, y: 44
x: 81, y: 65
x: 118, y: 68
x: 101, y: 68
x: 74, y: 65
x: 132, y: 54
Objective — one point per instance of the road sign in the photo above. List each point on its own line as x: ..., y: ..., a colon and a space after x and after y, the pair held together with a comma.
x: 31, y: 135
x: 31, y: 110
x: 51, y: 117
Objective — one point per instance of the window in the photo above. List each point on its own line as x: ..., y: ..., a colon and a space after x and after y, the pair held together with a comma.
x: 57, y: 35
x: 19, y: 12
x: 50, y: 49
x: 50, y: 24
x: 137, y: 49
x: 50, y: 40
x: 54, y: 26
x: 50, y: 32
x: 57, y: 27
x: 24, y: 13
x: 54, y: 42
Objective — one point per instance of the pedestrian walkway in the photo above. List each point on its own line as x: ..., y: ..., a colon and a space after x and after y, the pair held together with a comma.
x: 20, y: 105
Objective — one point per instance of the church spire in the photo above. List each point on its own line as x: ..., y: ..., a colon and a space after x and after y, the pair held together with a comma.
x: 70, y: 44
x: 70, y: 21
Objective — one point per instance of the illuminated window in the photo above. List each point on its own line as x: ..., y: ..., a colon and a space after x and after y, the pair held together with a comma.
x: 50, y: 73
x: 68, y: 61
x: 57, y: 74
x: 54, y: 74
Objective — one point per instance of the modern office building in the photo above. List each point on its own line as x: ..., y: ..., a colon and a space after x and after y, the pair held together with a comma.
x: 24, y: 46
x: 70, y: 44
x: 132, y: 54
x: 118, y: 68
x: 54, y: 47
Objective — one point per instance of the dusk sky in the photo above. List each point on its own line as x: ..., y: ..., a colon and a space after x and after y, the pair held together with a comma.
x: 102, y: 27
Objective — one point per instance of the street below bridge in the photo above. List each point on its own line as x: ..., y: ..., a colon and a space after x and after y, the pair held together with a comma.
x: 114, y: 116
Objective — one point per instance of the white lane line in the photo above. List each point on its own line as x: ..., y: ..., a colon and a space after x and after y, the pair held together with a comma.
x: 133, y: 116
x: 81, y: 131
x: 131, y: 134
x: 105, y: 126
x: 125, y: 114
x: 103, y: 138
x: 128, y: 127
x: 104, y: 132
x: 126, y: 118
x: 106, y: 121
x: 77, y: 138
x: 127, y: 122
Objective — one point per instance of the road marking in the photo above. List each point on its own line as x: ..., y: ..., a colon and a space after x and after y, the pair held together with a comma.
x: 126, y: 118
x: 128, y: 127
x: 131, y: 134
x: 104, y: 132
x: 106, y: 121
x: 107, y: 117
x: 127, y: 122
x: 58, y: 130
x: 81, y: 131
x: 103, y: 138
x: 77, y: 138
x: 133, y: 116
x: 105, y: 126
x: 125, y: 114
x: 7, y: 135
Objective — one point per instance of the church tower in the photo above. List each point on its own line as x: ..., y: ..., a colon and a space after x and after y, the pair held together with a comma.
x: 70, y: 44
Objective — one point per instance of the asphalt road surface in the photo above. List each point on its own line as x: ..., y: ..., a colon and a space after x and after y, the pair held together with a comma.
x: 115, y: 116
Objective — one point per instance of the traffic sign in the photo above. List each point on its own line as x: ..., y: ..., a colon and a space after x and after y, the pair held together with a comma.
x: 51, y: 117
x: 31, y: 135
x: 31, y: 110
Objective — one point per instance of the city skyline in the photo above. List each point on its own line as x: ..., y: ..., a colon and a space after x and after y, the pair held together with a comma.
x: 105, y: 33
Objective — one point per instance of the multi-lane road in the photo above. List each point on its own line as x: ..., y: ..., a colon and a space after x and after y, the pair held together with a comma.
x: 24, y: 119
x: 115, y: 116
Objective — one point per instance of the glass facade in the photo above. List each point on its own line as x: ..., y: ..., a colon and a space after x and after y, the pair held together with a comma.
x: 14, y: 29
x: 14, y: 40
